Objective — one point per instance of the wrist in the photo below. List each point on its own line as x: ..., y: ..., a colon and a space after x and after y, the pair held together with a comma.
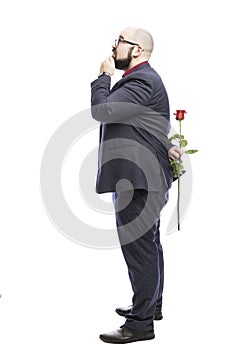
x: 104, y: 73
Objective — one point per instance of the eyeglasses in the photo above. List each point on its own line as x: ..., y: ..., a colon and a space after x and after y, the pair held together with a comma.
x: 120, y: 40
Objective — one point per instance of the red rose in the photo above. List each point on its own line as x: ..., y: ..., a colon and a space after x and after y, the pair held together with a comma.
x: 180, y: 114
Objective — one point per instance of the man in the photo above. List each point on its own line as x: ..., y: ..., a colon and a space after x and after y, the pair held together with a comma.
x: 134, y: 165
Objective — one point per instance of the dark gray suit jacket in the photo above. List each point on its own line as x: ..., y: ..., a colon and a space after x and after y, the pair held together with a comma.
x: 134, y: 118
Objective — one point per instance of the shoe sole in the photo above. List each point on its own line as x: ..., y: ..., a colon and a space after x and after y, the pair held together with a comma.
x: 125, y: 342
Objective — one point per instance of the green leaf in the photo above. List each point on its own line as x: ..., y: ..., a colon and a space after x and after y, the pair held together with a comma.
x: 184, y: 143
x: 176, y: 137
x: 172, y: 138
x: 181, y: 167
x: 191, y: 151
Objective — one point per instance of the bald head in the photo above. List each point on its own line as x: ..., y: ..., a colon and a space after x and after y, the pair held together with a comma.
x: 141, y: 37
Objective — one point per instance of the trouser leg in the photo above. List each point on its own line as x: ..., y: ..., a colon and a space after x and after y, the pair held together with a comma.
x: 138, y: 230
x: 159, y: 303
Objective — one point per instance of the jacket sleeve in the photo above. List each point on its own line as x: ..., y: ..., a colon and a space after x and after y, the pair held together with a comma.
x: 122, y: 103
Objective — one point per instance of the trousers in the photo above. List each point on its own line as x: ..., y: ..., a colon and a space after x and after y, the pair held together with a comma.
x: 137, y: 215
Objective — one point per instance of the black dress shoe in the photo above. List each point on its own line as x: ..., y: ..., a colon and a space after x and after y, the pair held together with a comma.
x: 125, y: 335
x: 122, y: 311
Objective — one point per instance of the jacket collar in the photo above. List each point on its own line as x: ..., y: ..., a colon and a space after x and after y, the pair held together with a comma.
x: 133, y: 68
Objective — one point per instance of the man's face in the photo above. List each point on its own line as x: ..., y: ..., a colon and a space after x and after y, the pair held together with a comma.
x: 122, y: 54
x: 123, y: 62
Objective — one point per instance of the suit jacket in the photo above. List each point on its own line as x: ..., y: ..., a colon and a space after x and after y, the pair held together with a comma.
x: 135, y: 122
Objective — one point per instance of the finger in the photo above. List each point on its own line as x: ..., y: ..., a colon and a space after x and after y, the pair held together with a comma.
x: 179, y: 151
x: 111, y: 60
x: 174, y: 155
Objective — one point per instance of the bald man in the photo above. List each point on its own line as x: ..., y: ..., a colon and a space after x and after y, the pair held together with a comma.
x: 134, y: 165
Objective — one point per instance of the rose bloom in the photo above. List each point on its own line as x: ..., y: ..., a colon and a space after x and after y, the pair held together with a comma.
x: 180, y: 114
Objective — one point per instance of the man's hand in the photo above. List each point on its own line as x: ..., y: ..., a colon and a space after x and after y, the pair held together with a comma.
x: 108, y: 66
x: 175, y: 153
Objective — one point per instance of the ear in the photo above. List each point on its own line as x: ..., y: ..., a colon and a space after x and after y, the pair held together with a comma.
x: 138, y: 50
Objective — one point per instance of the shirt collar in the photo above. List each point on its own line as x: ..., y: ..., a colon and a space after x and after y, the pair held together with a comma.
x: 133, y: 68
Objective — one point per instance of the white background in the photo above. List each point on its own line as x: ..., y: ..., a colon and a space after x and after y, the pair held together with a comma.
x: 57, y: 294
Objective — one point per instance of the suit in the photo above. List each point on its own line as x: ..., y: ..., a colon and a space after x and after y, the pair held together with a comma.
x: 134, y: 117
x: 133, y: 164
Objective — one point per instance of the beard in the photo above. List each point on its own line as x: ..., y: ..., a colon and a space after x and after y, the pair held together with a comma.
x: 123, y: 63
